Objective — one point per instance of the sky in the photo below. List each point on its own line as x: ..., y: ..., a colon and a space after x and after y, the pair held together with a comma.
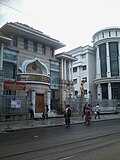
x: 72, y: 22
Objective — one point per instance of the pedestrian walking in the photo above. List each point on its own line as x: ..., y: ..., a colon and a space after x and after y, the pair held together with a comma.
x: 88, y: 115
x: 67, y: 115
x: 46, y: 111
x: 31, y: 111
x: 43, y: 115
x: 97, y: 111
x: 84, y: 108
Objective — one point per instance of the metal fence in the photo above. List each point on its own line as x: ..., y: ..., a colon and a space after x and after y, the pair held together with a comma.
x: 13, y: 108
x: 107, y: 106
x: 16, y: 108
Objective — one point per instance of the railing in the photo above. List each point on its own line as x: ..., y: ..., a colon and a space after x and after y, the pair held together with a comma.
x: 10, y: 112
x: 107, y: 106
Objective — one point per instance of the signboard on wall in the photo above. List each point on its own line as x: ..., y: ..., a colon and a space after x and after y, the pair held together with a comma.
x: 9, y: 85
x: 34, y: 78
x: 15, y: 103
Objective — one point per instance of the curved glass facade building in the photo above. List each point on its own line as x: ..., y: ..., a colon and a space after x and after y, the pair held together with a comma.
x: 107, y: 47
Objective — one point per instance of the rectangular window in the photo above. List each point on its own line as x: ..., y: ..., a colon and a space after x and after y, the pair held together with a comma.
x: 85, y: 92
x: 102, y: 35
x: 84, y: 79
x: 104, y: 91
x: 75, y: 69
x: 10, y: 70
x: 75, y: 81
x: 103, y: 63
x: 34, y: 46
x: 25, y: 44
x: 14, y: 41
x: 9, y: 92
x: 115, y: 90
x: 84, y: 67
x: 52, y: 52
x: 43, y: 49
x: 54, y: 74
x: 114, y: 63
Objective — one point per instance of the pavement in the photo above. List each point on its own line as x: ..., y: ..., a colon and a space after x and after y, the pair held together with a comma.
x: 50, y: 122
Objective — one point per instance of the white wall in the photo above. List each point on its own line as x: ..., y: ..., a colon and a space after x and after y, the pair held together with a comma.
x: 86, y: 56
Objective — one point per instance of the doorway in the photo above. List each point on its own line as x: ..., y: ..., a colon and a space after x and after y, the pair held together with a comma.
x: 39, y: 103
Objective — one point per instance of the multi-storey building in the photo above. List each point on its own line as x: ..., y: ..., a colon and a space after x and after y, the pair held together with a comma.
x: 98, y: 67
x: 107, y: 48
x: 29, y: 67
x: 84, y: 70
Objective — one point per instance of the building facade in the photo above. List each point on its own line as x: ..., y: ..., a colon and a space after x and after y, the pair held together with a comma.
x: 107, y: 48
x: 29, y: 67
x: 98, y: 67
x: 84, y: 70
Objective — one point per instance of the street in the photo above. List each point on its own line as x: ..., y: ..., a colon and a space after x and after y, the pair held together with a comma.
x: 99, y: 141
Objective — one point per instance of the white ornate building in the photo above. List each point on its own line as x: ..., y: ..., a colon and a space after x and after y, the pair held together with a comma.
x: 106, y: 43
x: 99, y: 66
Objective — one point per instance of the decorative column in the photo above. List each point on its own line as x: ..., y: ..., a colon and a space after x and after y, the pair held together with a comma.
x: 119, y: 56
x: 48, y: 100
x: 98, y: 67
x: 33, y: 99
x: 65, y: 69
x: 1, y: 69
x: 109, y: 91
x: 78, y: 73
x: 62, y: 71
x: 108, y: 60
x: 99, y: 92
x: 71, y: 71
x: 64, y: 95
x: 1, y: 57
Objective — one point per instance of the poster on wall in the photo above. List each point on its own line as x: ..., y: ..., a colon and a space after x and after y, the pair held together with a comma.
x: 15, y: 104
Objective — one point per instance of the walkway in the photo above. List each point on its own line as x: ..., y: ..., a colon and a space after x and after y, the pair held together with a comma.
x: 27, y: 124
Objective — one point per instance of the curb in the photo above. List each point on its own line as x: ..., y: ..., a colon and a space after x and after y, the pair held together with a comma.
x: 8, y: 126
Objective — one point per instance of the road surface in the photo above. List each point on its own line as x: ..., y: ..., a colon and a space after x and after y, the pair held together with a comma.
x: 99, y: 141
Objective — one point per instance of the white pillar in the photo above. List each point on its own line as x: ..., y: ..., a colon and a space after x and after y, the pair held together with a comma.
x: 33, y: 99
x: 65, y: 69
x: 99, y: 92
x: 62, y: 69
x: 78, y: 73
x: 98, y: 67
x: 108, y: 60
x: 48, y: 100
x: 1, y: 56
x: 109, y: 91
x: 64, y: 95
x: 71, y: 71
x: 119, y: 56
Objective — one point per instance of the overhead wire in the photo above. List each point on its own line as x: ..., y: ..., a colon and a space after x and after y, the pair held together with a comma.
x: 14, y: 8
